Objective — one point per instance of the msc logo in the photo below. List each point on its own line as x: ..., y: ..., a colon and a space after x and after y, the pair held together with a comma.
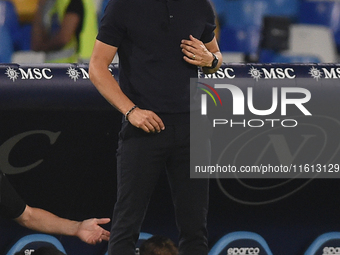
x: 221, y: 74
x: 328, y: 73
x: 266, y: 73
x: 74, y: 74
x: 272, y: 73
x: 332, y: 73
x: 30, y: 73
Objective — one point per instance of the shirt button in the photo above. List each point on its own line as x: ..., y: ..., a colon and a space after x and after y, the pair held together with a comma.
x: 171, y: 16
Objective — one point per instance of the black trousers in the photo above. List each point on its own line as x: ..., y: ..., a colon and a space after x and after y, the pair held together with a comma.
x: 140, y: 158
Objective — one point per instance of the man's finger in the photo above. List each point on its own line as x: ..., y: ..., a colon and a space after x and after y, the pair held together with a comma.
x: 159, y: 122
x: 103, y: 220
x: 156, y: 125
x: 186, y: 42
x: 105, y: 237
x: 193, y: 38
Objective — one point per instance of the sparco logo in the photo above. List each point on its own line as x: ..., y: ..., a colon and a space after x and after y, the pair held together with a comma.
x: 331, y: 250
x: 244, y: 251
x: 29, y: 251
x: 29, y: 74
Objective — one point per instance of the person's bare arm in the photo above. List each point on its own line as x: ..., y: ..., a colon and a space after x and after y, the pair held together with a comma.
x: 41, y: 220
x: 105, y: 83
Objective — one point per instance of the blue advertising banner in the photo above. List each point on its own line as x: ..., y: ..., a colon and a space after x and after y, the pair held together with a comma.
x: 59, y: 136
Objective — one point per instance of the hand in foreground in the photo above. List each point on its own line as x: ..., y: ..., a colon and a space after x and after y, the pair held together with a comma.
x: 90, y: 232
x: 196, y: 53
x: 146, y: 120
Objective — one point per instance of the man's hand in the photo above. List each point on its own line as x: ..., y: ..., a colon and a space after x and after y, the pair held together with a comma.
x: 90, y: 232
x: 196, y: 53
x: 146, y: 120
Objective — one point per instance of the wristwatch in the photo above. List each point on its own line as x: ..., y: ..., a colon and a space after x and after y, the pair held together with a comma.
x: 214, y: 62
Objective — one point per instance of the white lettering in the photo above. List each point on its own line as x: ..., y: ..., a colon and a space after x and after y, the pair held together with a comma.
x: 221, y: 74
x: 333, y: 73
x: 244, y: 251
x: 238, y: 100
x: 35, y: 74
x: 278, y: 73
x: 85, y: 73
x: 297, y: 102
x: 256, y: 123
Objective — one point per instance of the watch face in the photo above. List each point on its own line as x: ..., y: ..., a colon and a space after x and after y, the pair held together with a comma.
x: 215, y: 61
